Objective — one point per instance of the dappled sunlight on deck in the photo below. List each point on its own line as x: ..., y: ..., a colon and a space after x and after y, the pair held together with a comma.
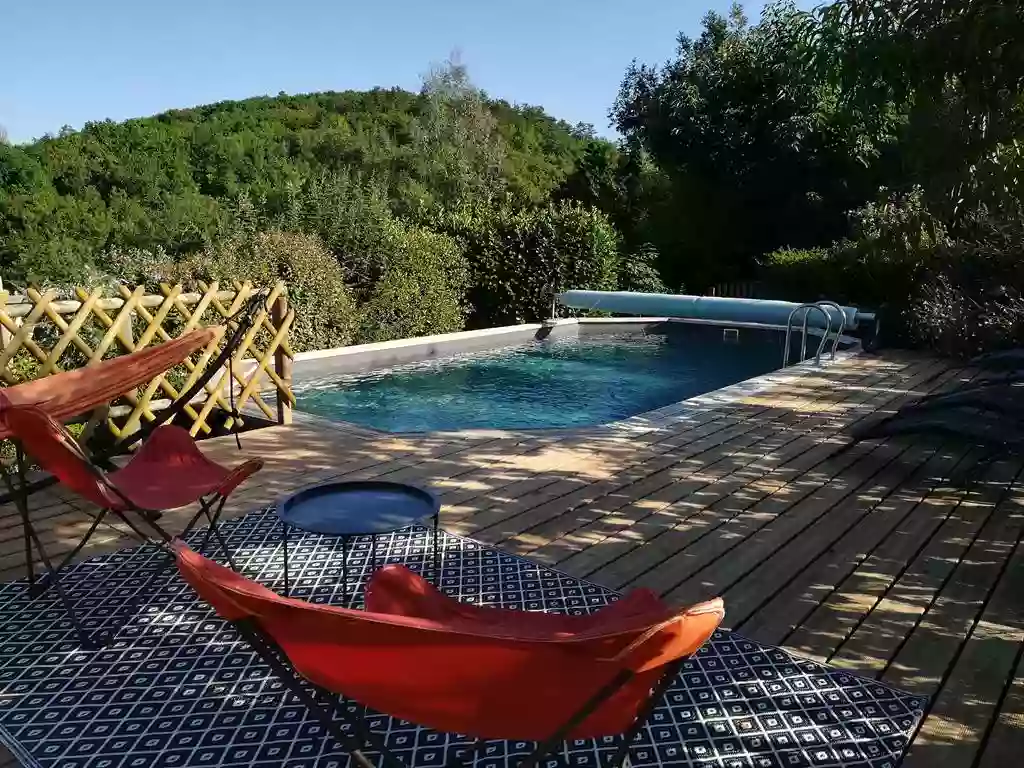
x: 899, y: 560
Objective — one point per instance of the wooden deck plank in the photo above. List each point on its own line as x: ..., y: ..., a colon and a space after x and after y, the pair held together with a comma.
x: 598, y: 528
x: 965, y: 533
x: 631, y: 450
x: 675, y: 552
x: 789, y: 607
x: 501, y: 517
x: 538, y: 527
x: 785, y: 511
x: 1005, y: 743
x: 828, y: 626
x: 935, y: 639
x: 634, y: 472
x: 743, y: 543
x: 951, y: 734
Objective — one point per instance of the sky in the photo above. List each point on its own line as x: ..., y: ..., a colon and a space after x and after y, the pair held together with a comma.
x: 68, y: 61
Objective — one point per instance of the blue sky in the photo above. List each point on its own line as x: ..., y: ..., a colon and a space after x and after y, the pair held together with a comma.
x: 69, y: 61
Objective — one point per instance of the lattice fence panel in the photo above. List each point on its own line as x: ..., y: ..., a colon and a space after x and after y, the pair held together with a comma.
x: 43, y: 334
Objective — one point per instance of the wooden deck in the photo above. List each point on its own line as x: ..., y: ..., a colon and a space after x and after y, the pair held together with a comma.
x: 896, y: 560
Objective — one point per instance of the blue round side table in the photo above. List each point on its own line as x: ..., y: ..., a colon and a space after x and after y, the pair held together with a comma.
x: 357, y: 508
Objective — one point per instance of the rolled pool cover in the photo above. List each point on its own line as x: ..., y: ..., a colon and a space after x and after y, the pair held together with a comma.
x: 716, y: 308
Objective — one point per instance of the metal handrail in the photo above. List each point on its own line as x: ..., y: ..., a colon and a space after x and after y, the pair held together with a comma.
x: 803, y: 339
x: 842, y: 324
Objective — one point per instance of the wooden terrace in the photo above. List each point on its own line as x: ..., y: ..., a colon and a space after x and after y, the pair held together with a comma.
x: 900, y: 560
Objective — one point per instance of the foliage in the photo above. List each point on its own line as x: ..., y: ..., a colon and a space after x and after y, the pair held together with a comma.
x: 325, y: 309
x: 638, y: 272
x: 176, y: 181
x: 956, y: 66
x: 802, y: 274
x: 460, y: 140
x: 368, y: 203
x: 914, y: 48
x: 970, y: 298
x: 520, y: 258
x: 422, y: 290
x: 870, y: 152
x: 880, y: 265
x: 757, y: 151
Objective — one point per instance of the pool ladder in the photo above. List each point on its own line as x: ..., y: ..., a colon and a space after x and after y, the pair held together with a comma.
x: 821, y: 307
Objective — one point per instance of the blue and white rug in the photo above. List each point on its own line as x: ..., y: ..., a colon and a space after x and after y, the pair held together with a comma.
x: 179, y: 689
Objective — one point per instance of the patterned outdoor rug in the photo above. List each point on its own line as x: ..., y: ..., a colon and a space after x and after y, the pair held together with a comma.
x: 177, y: 688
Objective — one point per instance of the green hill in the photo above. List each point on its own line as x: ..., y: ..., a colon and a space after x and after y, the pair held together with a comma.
x: 173, y: 181
x: 392, y: 213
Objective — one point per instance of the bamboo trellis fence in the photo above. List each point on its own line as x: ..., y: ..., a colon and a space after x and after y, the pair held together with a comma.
x: 43, y: 335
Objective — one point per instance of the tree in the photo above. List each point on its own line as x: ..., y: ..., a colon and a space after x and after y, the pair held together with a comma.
x: 756, y: 149
x: 957, y: 65
x: 915, y: 47
x: 461, y: 143
x: 175, y: 181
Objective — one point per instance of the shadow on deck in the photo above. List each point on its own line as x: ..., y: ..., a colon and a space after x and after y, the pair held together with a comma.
x: 900, y: 560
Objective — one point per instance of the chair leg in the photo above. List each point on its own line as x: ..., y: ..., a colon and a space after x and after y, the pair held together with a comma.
x: 163, y: 536
x: 436, y: 537
x: 215, y: 527
x: 359, y: 724
x: 212, y: 529
x: 36, y: 588
x: 588, y: 708
x: 627, y: 739
x: 19, y: 495
x: 87, y: 641
x: 29, y: 560
x: 254, y: 637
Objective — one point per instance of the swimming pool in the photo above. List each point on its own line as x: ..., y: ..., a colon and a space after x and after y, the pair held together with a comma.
x: 565, y: 382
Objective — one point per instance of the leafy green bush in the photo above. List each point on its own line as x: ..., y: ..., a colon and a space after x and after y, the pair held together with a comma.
x: 894, y: 239
x: 325, y: 310
x: 350, y: 214
x: 638, y: 272
x: 803, y: 274
x: 520, y: 259
x: 970, y: 298
x: 421, y: 291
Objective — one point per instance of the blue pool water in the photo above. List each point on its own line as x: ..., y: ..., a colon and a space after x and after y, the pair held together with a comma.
x: 565, y: 383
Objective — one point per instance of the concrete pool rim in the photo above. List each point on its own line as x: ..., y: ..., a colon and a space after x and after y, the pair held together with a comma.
x: 314, y: 368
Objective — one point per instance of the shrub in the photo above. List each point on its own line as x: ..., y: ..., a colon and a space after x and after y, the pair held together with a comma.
x: 970, y: 296
x: 520, y: 259
x: 325, y: 311
x: 806, y: 274
x: 422, y: 288
x: 639, y: 272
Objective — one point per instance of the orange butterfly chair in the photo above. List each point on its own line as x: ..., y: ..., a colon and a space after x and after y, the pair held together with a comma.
x: 167, y: 472
x: 490, y: 673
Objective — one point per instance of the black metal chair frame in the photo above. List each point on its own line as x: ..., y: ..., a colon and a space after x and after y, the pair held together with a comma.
x: 20, y: 488
x: 331, y: 713
x: 211, y: 506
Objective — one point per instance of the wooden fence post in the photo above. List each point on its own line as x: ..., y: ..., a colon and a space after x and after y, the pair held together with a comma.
x: 282, y: 362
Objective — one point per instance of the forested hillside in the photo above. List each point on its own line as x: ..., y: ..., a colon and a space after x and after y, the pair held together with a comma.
x: 391, y: 213
x: 867, y: 151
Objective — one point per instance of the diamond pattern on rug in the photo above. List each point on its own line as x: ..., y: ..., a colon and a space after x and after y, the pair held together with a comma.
x: 179, y: 689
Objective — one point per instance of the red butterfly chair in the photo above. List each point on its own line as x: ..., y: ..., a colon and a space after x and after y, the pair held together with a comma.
x: 490, y: 673
x: 168, y: 471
